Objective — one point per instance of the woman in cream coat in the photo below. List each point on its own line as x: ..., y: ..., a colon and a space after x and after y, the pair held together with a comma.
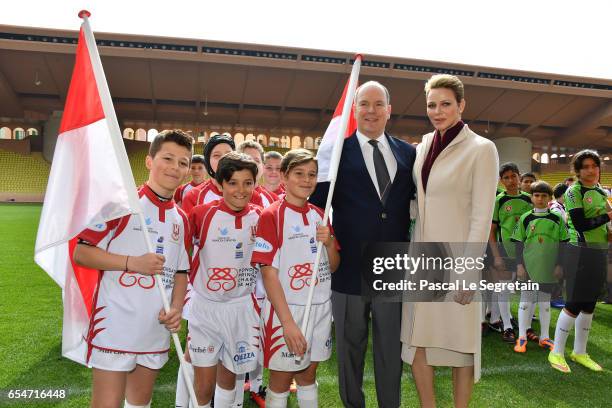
x: 456, y: 176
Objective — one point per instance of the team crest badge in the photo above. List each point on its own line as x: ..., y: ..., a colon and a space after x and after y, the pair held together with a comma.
x: 532, y: 228
x: 589, y: 200
x: 508, y: 208
x: 175, y: 232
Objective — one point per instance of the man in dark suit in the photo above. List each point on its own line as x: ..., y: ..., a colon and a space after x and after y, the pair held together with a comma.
x: 371, y: 202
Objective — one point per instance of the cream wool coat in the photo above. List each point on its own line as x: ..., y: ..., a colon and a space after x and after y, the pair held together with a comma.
x: 457, y: 207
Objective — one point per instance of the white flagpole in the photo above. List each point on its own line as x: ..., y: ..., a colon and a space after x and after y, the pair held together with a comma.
x: 333, y: 172
x: 126, y: 173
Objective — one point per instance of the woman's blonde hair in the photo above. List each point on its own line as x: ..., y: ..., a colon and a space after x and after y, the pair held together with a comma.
x: 446, y: 81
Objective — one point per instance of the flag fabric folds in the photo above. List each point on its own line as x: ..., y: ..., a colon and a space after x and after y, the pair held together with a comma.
x: 87, y: 187
x: 326, y: 147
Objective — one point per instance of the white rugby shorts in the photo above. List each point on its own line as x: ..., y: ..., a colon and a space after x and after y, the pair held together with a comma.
x: 226, y: 332
x: 276, y: 355
x: 119, y: 361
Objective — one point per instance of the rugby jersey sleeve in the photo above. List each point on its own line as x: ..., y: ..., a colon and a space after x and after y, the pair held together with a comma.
x: 266, y: 241
x: 496, y: 209
x: 575, y: 211
x: 184, y: 260
x: 101, y: 234
x: 519, y: 236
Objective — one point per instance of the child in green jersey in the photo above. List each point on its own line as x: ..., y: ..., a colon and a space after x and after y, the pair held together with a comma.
x: 538, y: 234
x: 509, y: 206
x: 585, y: 202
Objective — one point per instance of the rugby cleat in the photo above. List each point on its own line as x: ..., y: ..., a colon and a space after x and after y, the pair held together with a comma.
x: 508, y: 336
x: 497, y: 326
x: 521, y: 345
x: 531, y: 336
x: 557, y: 361
x: 585, y: 360
x: 546, y: 344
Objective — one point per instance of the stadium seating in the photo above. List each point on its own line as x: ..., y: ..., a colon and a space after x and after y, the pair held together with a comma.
x: 23, y: 173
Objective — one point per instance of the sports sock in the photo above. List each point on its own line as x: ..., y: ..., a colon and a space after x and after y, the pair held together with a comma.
x: 495, y: 316
x: 276, y: 400
x: 582, y: 329
x: 564, y: 325
x: 532, y: 309
x: 524, y: 311
x: 224, y: 398
x: 126, y: 404
x: 544, y: 311
x: 308, y: 396
x: 239, y: 388
x: 256, y: 378
x: 182, y: 393
x: 504, y: 307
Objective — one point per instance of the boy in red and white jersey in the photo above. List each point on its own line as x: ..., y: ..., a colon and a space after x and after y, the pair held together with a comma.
x: 271, y: 173
x: 216, y: 147
x: 286, y: 247
x: 198, y: 174
x: 224, y: 317
x: 127, y: 340
x: 255, y: 150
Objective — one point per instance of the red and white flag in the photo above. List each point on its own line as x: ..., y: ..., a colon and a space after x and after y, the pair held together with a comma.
x: 326, y: 147
x: 90, y: 183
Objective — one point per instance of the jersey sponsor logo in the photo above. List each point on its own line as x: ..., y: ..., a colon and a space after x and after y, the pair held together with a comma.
x: 221, y: 279
x: 287, y: 354
x: 223, y: 231
x: 159, y: 249
x: 160, y: 239
x: 99, y: 227
x: 148, y: 221
x: 261, y: 245
x: 296, y: 228
x: 313, y: 246
x: 129, y: 279
x: 239, y: 252
x: 176, y: 230
x: 243, y: 353
x: 300, y: 275
x: 328, y: 343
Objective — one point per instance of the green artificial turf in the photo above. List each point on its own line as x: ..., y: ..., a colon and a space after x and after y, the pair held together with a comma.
x: 30, y: 348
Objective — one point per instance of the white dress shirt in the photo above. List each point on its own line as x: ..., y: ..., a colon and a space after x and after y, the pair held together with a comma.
x: 368, y: 151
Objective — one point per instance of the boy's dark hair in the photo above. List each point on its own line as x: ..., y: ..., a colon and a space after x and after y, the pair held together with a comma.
x: 581, y: 156
x: 508, y: 167
x: 570, y: 179
x: 296, y: 157
x: 272, y: 154
x: 559, y: 190
x: 197, y: 158
x: 210, y: 145
x: 233, y: 162
x: 541, y: 187
x: 528, y: 174
x: 176, y: 136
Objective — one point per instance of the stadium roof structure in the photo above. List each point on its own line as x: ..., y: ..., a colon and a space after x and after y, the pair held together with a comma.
x: 282, y: 90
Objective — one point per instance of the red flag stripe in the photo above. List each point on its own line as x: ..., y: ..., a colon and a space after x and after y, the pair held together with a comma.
x: 83, y: 105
